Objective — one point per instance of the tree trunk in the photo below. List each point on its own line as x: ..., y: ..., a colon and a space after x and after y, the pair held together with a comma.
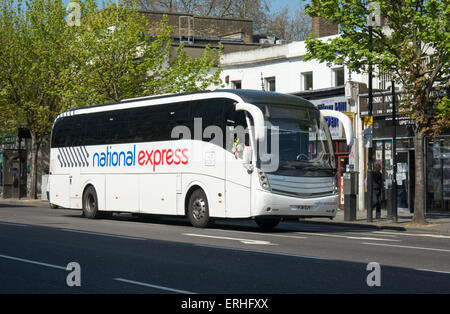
x: 419, y: 197
x: 35, y: 146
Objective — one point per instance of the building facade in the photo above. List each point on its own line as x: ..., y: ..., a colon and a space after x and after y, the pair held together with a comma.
x: 436, y: 155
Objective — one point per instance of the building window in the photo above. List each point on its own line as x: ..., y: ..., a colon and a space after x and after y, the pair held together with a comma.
x: 307, y: 79
x: 438, y: 174
x: 384, y: 80
x: 236, y: 84
x: 338, y: 77
x: 270, y: 84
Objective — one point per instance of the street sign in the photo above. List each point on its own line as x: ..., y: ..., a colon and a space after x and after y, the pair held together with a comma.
x: 7, y: 140
x: 368, y: 120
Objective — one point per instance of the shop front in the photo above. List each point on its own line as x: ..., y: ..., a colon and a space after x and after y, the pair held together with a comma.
x: 436, y: 157
x: 13, y: 165
x: 438, y: 174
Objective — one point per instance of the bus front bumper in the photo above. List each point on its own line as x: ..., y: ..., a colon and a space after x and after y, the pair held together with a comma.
x: 272, y: 204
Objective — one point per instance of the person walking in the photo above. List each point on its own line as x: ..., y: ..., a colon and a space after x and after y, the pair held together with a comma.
x: 377, y: 185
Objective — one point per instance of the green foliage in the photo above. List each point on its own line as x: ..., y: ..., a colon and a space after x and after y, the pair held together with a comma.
x: 414, y: 47
x: 33, y: 62
x: 116, y: 59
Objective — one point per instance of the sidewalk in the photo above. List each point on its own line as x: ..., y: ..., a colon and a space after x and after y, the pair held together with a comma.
x: 437, y: 223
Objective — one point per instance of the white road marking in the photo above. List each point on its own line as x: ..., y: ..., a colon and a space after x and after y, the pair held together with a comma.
x: 347, y: 237
x: 434, y: 271
x: 32, y: 262
x: 12, y: 224
x: 439, y: 236
x: 153, y: 286
x: 373, y: 239
x: 104, y: 234
x: 407, y: 247
x: 260, y: 234
x: 245, y: 241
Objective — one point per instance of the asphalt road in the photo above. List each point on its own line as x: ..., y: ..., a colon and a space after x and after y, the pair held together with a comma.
x: 127, y: 254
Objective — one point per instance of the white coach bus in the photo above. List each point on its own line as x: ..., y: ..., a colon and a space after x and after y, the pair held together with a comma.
x: 183, y: 155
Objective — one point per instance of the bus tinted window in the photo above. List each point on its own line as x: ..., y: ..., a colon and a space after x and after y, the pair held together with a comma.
x: 211, y: 113
x: 143, y: 124
x: 68, y: 131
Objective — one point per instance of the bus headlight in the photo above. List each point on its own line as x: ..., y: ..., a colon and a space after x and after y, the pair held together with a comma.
x: 263, y: 180
x: 336, y: 184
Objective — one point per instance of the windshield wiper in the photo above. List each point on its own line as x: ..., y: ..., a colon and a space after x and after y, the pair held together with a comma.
x: 304, y: 166
x: 315, y: 168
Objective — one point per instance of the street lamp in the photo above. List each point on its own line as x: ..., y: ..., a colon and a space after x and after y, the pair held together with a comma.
x: 394, y: 153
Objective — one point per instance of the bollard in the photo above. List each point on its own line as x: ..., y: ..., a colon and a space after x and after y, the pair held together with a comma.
x: 350, y: 190
x: 389, y: 203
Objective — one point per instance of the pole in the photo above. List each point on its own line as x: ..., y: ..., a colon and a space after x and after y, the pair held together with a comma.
x: 262, y: 82
x: 20, y: 166
x: 394, y: 157
x: 370, y: 157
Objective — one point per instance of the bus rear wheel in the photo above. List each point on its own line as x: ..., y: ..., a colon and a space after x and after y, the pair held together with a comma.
x: 90, y: 204
x: 267, y: 224
x: 198, y: 210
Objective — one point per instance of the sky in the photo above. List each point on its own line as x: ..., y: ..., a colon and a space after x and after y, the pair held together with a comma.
x: 280, y: 4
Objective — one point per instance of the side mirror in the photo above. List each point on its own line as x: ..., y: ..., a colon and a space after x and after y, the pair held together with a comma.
x: 258, y: 119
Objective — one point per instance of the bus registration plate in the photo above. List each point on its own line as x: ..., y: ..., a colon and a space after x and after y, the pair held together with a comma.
x: 301, y: 207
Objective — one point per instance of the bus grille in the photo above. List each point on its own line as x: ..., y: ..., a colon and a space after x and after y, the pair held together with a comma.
x: 301, y: 186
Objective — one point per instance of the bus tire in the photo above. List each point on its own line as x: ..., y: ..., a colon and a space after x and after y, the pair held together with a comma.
x: 267, y: 224
x: 198, y: 210
x: 90, y: 203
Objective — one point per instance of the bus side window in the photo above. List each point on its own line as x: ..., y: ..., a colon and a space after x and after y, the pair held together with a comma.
x: 210, y: 111
x: 176, y: 114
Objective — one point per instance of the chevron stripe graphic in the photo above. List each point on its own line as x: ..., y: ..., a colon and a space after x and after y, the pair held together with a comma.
x: 73, y: 156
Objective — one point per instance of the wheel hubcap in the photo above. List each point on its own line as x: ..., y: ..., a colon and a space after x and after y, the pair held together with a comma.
x: 199, y: 209
x: 90, y: 203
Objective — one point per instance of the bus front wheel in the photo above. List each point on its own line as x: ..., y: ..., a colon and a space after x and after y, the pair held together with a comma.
x: 198, y: 210
x: 267, y: 224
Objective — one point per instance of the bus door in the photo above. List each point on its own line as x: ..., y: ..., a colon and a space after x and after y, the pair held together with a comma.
x: 237, y: 177
x: 74, y: 178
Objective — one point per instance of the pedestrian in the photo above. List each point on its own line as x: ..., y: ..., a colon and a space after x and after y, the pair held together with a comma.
x: 377, y: 184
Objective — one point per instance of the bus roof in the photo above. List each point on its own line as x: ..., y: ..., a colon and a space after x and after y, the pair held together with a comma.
x: 248, y: 96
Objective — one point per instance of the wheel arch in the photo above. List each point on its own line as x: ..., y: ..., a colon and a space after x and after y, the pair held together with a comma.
x: 100, y: 199
x: 191, y: 188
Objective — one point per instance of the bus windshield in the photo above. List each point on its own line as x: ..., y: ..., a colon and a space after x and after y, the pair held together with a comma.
x: 304, y: 141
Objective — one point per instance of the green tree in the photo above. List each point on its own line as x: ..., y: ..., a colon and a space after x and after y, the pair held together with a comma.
x: 33, y: 61
x: 413, y: 46
x: 116, y: 59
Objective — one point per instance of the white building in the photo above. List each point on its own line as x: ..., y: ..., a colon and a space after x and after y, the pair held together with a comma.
x: 281, y: 68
